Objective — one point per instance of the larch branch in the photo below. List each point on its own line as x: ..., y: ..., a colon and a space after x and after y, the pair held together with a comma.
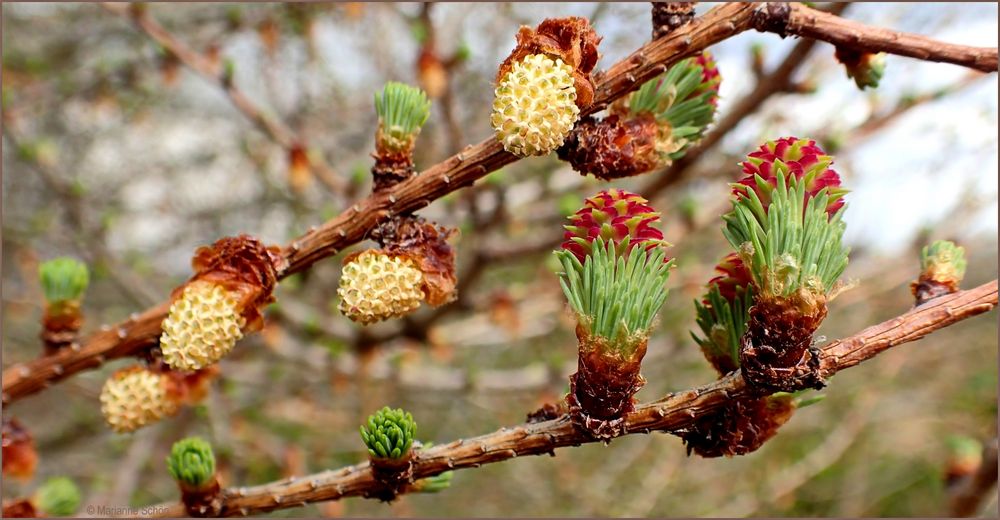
x: 673, y: 412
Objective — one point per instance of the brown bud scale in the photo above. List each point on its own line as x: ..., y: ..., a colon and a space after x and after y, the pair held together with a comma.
x: 571, y: 39
x: 603, y: 388
x: 740, y: 427
x: 614, y: 147
x: 244, y: 266
x: 426, y: 244
x: 776, y: 352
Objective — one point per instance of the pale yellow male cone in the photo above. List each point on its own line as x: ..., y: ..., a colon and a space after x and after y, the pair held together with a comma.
x: 134, y: 397
x: 375, y: 287
x: 535, y: 106
x: 203, y: 326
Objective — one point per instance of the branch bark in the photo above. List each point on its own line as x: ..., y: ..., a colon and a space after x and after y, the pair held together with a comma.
x: 672, y: 412
x: 811, y: 23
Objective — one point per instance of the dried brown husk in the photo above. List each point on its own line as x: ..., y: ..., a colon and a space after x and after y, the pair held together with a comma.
x: 776, y: 351
x: 202, y: 501
x: 740, y: 427
x: 393, y: 160
x: 243, y: 266
x: 426, y: 245
x: 603, y: 388
x: 571, y: 39
x: 22, y: 508
x: 927, y: 288
x: 61, y: 322
x: 614, y: 147
x: 19, y: 455
x: 393, y: 475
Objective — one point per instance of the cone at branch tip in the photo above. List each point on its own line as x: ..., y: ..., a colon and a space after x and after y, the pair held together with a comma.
x: 376, y: 286
x: 136, y: 396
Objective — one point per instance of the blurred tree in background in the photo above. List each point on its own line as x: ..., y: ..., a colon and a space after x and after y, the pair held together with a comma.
x: 119, y: 153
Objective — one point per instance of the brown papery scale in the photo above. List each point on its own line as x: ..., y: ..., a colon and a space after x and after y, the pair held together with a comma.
x: 571, y: 39
x: 61, y: 322
x: 602, y: 389
x: 740, y: 427
x: 614, y: 147
x: 244, y: 266
x: 19, y: 455
x: 426, y: 244
x: 777, y: 353
x: 392, y: 166
x: 393, y: 475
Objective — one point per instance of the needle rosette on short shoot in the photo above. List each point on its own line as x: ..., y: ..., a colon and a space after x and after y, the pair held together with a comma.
x: 64, y: 282
x: 402, y: 111
x: 651, y: 127
x: 942, y: 267
x: 787, y: 227
x: 614, y: 275
x: 742, y: 425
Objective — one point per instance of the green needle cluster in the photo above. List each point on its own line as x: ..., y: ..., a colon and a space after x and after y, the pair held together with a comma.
x: 670, y: 97
x: 944, y: 253
x: 792, y: 244
x: 192, y: 462
x: 59, y: 496
x: 616, y: 296
x: 388, y: 434
x: 435, y: 484
x: 723, y: 322
x: 63, y: 279
x: 402, y: 110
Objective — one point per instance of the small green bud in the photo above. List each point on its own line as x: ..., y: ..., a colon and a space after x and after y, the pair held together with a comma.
x: 191, y: 462
x: 944, y: 257
x: 434, y: 484
x: 228, y: 71
x: 388, y: 434
x: 59, y: 496
x: 463, y: 52
x: 63, y: 279
x: 402, y: 110
x: 965, y: 448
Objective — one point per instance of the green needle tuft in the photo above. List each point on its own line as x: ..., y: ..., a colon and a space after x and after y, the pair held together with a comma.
x: 389, y: 433
x: 63, y: 279
x: 59, y: 496
x: 192, y: 462
x: 616, y: 296
x: 791, y: 244
x: 402, y: 110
